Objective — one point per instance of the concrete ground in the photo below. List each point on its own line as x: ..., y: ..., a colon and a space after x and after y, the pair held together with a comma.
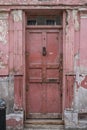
x: 45, y: 127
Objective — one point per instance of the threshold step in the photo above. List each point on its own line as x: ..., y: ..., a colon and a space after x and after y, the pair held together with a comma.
x: 44, y: 122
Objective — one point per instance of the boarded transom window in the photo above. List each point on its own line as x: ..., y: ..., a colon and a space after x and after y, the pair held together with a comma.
x: 44, y: 20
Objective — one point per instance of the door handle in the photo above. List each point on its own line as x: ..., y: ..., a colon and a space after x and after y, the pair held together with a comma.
x: 44, y: 52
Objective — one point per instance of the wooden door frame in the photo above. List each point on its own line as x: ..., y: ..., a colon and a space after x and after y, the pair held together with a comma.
x: 64, y: 56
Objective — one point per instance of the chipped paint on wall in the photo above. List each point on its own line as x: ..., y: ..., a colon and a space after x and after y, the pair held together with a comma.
x: 76, y: 21
x: 3, y: 31
x: 17, y: 15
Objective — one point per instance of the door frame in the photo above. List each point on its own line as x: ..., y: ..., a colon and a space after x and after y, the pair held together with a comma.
x: 64, y: 56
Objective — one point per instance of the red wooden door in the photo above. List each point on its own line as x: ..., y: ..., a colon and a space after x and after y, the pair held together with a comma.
x: 43, y: 73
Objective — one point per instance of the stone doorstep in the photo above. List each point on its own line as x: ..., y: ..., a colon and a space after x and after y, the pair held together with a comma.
x: 44, y: 127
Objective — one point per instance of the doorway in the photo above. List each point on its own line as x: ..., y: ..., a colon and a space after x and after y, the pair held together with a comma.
x: 44, y: 54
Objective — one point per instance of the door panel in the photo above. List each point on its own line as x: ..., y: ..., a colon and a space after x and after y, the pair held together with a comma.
x: 43, y: 75
x: 53, y: 98
x: 35, y: 98
x: 52, y: 48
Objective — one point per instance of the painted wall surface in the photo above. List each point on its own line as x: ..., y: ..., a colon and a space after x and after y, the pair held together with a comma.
x: 12, y: 55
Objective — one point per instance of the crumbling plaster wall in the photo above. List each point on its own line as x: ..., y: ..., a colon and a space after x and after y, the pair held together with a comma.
x: 76, y: 66
x: 11, y: 53
x: 11, y: 67
x: 76, y: 58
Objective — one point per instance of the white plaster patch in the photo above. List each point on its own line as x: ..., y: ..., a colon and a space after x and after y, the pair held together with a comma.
x: 3, y: 31
x: 82, y: 98
x: 15, y: 116
x: 17, y: 15
x: 2, y: 66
